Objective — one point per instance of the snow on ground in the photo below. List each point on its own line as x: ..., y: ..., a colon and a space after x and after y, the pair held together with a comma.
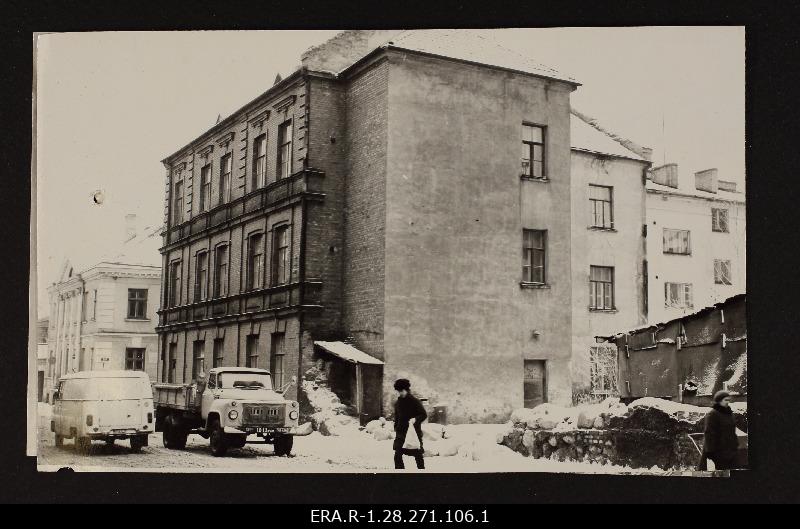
x: 356, y: 451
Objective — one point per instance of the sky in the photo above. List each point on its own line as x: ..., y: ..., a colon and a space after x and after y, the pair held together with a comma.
x: 111, y: 105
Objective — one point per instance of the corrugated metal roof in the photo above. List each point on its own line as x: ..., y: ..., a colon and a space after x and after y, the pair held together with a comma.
x: 468, y: 45
x: 348, y: 352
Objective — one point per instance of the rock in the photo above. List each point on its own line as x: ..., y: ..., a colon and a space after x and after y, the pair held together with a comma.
x: 389, y: 425
x: 431, y: 451
x: 553, y: 441
x: 337, y: 425
x: 374, y: 425
x: 432, y: 432
x: 447, y: 448
x: 586, y: 419
x: 659, y: 415
x: 528, y: 438
x: 598, y: 423
x: 568, y: 439
x: 382, y: 434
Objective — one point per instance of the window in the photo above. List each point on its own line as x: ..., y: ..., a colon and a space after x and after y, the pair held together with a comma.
x: 201, y: 276
x: 533, y: 151
x: 722, y: 272
x: 173, y: 362
x: 137, y: 303
x: 205, y: 187
x: 225, y: 168
x: 255, y: 259
x: 601, y: 287
x: 601, y: 204
x: 221, y: 271
x: 533, y: 256
x: 134, y: 359
x: 276, y: 359
x: 198, y: 358
x: 280, y: 256
x: 219, y: 351
x: 603, y: 369
x: 259, y: 161
x: 85, y: 306
x: 174, y: 285
x: 719, y: 220
x: 252, y: 351
x: 677, y: 242
x: 678, y: 295
x: 177, y: 203
x: 285, y: 149
x: 94, y: 304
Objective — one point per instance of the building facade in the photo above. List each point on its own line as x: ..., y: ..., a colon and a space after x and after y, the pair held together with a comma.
x: 695, y: 242
x: 377, y: 196
x: 104, y: 317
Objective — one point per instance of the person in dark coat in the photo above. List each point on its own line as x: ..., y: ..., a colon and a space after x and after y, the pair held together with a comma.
x: 408, y: 410
x: 720, y: 443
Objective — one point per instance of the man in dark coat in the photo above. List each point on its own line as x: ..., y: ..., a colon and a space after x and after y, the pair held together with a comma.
x: 407, y: 411
x: 721, y: 443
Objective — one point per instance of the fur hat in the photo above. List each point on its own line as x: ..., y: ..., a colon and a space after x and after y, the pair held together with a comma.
x: 402, y: 384
x: 721, y: 394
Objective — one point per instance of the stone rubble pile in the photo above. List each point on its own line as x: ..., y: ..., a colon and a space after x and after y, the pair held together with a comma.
x: 327, y: 413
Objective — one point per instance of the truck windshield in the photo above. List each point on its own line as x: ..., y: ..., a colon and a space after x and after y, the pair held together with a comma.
x: 244, y: 380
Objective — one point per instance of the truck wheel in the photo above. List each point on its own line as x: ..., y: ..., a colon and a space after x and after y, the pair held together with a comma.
x: 137, y: 442
x: 283, y: 445
x: 110, y: 441
x: 217, y: 440
x: 235, y: 440
x: 59, y: 441
x: 82, y: 445
x: 166, y: 433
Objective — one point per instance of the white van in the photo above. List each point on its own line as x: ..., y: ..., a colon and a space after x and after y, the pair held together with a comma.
x: 105, y: 405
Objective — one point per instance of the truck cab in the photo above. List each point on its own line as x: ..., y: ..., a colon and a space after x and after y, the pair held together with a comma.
x: 230, y: 406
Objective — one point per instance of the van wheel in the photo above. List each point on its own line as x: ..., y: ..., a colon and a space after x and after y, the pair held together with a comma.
x: 82, y: 445
x: 137, y: 442
x: 217, y: 440
x: 59, y: 441
x: 283, y: 445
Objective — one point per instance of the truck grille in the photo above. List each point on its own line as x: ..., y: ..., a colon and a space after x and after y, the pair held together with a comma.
x: 269, y: 414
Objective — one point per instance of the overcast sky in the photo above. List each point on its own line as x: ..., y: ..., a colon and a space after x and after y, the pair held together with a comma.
x: 111, y: 105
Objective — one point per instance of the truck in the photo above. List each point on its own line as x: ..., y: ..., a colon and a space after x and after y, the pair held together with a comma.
x: 229, y: 406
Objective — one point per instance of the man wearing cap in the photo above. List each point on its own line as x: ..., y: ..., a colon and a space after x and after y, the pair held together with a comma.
x: 407, y: 411
x: 721, y: 444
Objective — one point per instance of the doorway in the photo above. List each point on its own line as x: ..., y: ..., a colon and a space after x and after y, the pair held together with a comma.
x: 534, y: 383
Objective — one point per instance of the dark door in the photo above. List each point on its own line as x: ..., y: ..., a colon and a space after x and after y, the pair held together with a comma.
x: 534, y: 383
x: 41, y: 386
x: 371, y: 391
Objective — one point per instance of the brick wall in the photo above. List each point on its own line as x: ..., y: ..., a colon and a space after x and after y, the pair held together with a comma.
x: 365, y: 209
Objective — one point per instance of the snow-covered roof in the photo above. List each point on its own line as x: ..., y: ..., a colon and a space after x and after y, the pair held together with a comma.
x: 726, y: 196
x: 348, y: 352
x: 586, y: 134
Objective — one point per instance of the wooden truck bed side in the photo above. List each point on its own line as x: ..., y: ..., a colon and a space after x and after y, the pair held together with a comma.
x: 176, y: 396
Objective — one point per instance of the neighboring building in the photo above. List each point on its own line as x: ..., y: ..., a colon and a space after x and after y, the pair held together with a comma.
x: 42, y: 357
x: 687, y: 359
x: 695, y: 242
x: 104, y: 317
x: 377, y: 196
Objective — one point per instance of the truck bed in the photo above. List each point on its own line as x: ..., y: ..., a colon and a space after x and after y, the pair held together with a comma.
x: 175, y: 396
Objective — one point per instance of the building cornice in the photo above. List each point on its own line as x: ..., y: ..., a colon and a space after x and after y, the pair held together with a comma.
x: 679, y: 194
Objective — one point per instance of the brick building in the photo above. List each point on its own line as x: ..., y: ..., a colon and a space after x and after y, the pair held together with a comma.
x: 377, y: 196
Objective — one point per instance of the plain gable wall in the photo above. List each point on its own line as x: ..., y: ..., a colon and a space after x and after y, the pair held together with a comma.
x: 457, y: 322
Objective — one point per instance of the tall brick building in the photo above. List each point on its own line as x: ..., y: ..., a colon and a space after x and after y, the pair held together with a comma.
x: 377, y: 196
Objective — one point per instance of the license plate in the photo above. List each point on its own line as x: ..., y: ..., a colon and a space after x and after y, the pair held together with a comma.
x: 267, y: 429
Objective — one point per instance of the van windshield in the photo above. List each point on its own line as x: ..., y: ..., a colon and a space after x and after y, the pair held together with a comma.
x: 118, y: 389
x: 244, y: 380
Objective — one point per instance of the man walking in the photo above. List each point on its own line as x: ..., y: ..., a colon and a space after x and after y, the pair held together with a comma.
x: 407, y: 411
x: 720, y: 433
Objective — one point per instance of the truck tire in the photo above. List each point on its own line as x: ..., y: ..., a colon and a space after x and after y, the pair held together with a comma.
x: 174, y: 435
x: 137, y: 442
x: 283, y: 445
x: 59, y: 441
x: 166, y: 433
x: 82, y: 444
x: 216, y: 440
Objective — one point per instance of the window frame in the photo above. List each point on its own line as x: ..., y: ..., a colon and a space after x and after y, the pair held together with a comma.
x: 225, y: 177
x: 132, y: 360
x: 254, y: 262
x: 251, y: 350
x: 172, y: 362
x: 206, y: 176
x: 283, y: 166
x: 528, y: 259
x: 593, y: 203
x: 221, y: 287
x: 137, y: 301
x: 177, y: 202
x: 275, y: 258
x: 719, y: 277
x: 605, y: 285
x: 664, y: 239
x: 198, y: 353
x: 218, y: 352
x: 687, y: 291
x: 530, y: 145
x: 277, y: 353
x: 201, y: 275
x: 174, y: 284
x: 259, y: 179
x: 716, y: 225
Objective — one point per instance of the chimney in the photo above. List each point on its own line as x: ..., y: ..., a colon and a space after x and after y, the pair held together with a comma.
x: 666, y: 175
x: 725, y: 185
x: 346, y: 48
x: 706, y: 180
x: 130, y: 226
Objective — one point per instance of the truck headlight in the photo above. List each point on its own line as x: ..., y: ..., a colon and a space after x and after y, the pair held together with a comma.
x: 233, y: 415
x: 293, y: 415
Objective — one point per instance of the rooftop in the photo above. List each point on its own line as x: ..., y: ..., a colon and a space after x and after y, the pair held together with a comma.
x: 721, y: 195
x: 586, y: 134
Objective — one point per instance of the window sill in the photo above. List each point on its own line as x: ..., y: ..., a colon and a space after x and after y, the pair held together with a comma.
x: 680, y: 254
x: 607, y: 311
x: 601, y: 228
x: 534, y: 286
x: 542, y: 180
x: 137, y: 319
